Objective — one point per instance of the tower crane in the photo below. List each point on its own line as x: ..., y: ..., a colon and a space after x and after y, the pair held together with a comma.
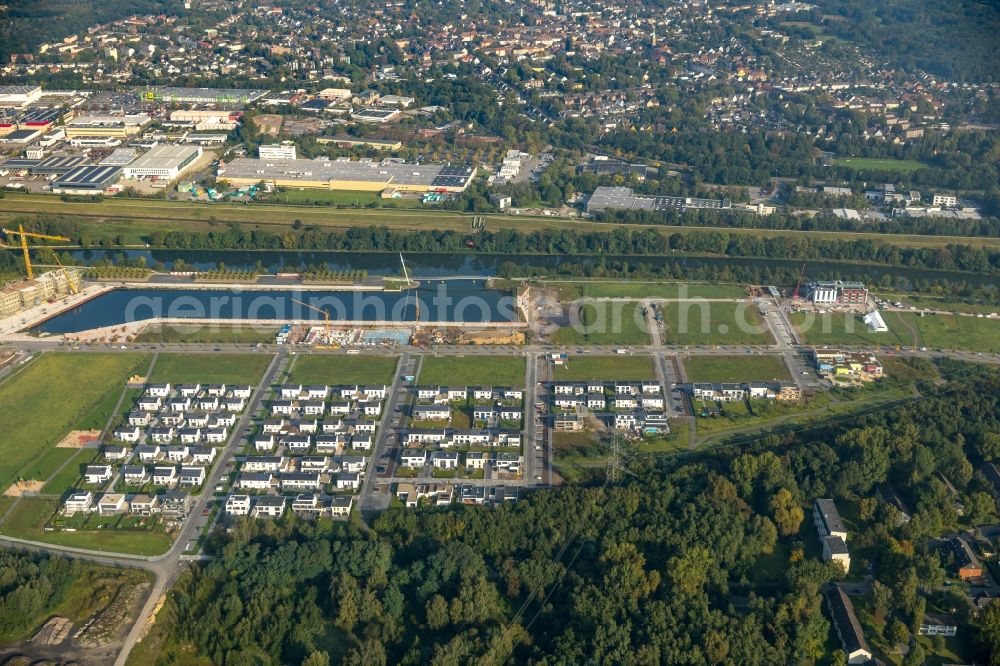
x: 70, y: 278
x: 326, y: 315
x: 25, y: 235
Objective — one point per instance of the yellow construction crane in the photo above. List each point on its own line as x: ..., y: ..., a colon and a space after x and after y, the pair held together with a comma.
x: 326, y: 316
x: 70, y: 278
x: 25, y: 235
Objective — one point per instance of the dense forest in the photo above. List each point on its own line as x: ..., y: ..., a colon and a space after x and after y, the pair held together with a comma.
x: 668, y: 567
x: 30, y: 586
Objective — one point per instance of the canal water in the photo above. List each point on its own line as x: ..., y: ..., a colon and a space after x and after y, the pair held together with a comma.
x: 438, y: 301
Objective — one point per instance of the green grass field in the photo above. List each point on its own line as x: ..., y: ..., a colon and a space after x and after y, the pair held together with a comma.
x: 472, y: 371
x: 54, y: 394
x: 348, y: 197
x: 42, y: 468
x: 706, y: 323
x: 842, y: 328
x: 72, y: 472
x: 871, y: 163
x: 31, y: 514
x: 210, y: 368
x: 748, y: 368
x: 195, y: 334
x: 342, y: 369
x: 955, y: 332
x: 665, y: 290
x: 612, y: 323
x: 608, y: 368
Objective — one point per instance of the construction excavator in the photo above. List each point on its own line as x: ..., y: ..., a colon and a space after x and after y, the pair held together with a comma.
x: 25, y: 235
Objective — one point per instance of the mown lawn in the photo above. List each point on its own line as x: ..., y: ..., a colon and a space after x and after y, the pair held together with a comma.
x: 707, y: 323
x: 31, y: 514
x: 607, y: 368
x: 332, y: 369
x: 748, y: 368
x: 956, y: 332
x: 875, y: 164
x: 606, y: 323
x: 210, y: 368
x: 843, y: 328
x: 45, y: 466
x: 660, y: 290
x: 472, y: 371
x: 54, y: 394
x: 72, y: 472
x: 207, y: 334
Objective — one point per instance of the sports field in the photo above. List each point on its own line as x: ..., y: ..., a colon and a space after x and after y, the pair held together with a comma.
x: 707, y: 323
x: 210, y: 368
x: 748, y: 368
x: 342, y: 369
x: 54, y: 394
x: 842, y: 328
x: 606, y: 323
x: 903, y: 166
x: 605, y: 368
x: 135, y: 219
x: 472, y: 371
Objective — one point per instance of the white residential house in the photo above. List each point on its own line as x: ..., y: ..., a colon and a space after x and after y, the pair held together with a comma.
x: 242, y: 392
x: 202, y: 455
x: 374, y: 391
x: 111, y: 503
x: 189, y: 435
x: 165, y: 475
x: 340, y: 407
x: 135, y: 475
x: 431, y: 413
x: 255, y: 480
x: 216, y: 435
x: 353, y: 463
x: 137, y: 418
x: 215, y: 390
x: 348, y: 481
x: 128, y: 433
x: 114, y: 451
x: 476, y: 460
x: 191, y: 476
x: 158, y: 391
x: 162, y: 434
x: 150, y: 404
x: 189, y: 390
x: 470, y: 437
x: 296, y: 481
x: 264, y: 442
x: 179, y: 405
x: 238, y: 505
x: 370, y: 408
x: 263, y: 464
x: 313, y: 407
x: 297, y: 443
x: 432, y: 436
x: 290, y: 391
x: 308, y: 505
x: 208, y: 403
x: 330, y: 443
x: 283, y: 407
x: 308, y: 426
x: 340, y: 505
x: 414, y: 458
x: 80, y: 502
x: 148, y: 453
x: 274, y: 426
x: 361, y: 442
x: 444, y: 460
x: 97, y: 474
x: 317, y: 392
x: 269, y: 507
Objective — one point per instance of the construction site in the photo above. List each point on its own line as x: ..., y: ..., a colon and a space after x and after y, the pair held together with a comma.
x: 47, y: 287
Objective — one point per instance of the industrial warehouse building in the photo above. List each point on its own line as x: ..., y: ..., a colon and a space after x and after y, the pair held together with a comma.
x: 345, y: 174
x: 90, y: 179
x: 118, y: 126
x: 163, y: 162
x: 624, y: 198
